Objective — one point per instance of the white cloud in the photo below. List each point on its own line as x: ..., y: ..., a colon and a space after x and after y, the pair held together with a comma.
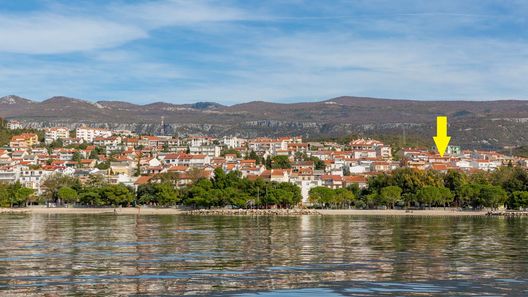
x: 179, y: 13
x: 56, y: 34
x: 73, y: 30
x: 308, y: 66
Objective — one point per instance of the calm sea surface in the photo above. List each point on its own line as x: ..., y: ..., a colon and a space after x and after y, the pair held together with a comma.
x: 104, y: 255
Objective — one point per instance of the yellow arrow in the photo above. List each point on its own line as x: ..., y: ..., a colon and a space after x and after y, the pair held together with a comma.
x: 441, y: 139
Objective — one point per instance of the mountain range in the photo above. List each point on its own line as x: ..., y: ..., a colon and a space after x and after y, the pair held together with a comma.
x: 474, y: 124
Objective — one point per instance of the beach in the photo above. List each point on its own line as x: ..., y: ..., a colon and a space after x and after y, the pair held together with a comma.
x: 176, y: 211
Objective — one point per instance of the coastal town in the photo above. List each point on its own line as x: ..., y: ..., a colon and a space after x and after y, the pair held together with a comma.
x: 123, y: 157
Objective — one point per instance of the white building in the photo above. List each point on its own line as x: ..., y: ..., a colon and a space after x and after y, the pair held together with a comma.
x: 485, y: 165
x: 52, y: 134
x: 9, y: 174
x: 212, y: 151
x: 33, y: 179
x: 200, y: 141
x: 13, y: 125
x: 233, y: 142
x: 89, y: 134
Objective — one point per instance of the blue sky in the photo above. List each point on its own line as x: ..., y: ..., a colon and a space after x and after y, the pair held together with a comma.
x: 278, y: 50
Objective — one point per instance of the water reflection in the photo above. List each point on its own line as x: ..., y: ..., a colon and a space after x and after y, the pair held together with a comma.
x: 349, y: 256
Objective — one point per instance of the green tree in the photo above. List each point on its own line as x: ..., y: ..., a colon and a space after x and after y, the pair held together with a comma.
x: 344, y: 197
x: 469, y: 194
x: 492, y: 196
x: 454, y: 180
x: 165, y: 194
x: 5, y: 200
x: 91, y: 196
x: 76, y: 157
x: 294, y: 196
x: 68, y: 195
x: 55, y: 182
x: 518, y: 200
x: 429, y: 195
x: 321, y: 196
x: 230, y: 151
x: 268, y: 162
x: 390, y: 195
x: 280, y: 162
x: 117, y: 195
x: 23, y: 195
x: 253, y: 156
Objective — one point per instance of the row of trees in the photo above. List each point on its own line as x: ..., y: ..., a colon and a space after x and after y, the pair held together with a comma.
x: 407, y: 187
x: 403, y: 188
x: 15, y: 195
x: 62, y: 189
x: 223, y: 190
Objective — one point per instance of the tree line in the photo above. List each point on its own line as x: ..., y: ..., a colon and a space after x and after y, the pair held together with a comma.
x: 224, y: 189
x: 15, y: 195
x: 402, y: 188
x: 507, y: 186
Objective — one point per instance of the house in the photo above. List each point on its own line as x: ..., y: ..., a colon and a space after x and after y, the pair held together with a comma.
x: 5, y: 158
x: 279, y: 175
x: 142, y: 180
x: 359, y: 180
x: 200, y: 141
x: 233, y: 142
x: 170, y: 159
x: 442, y: 167
x: 88, y: 163
x: 332, y: 181
x: 365, y: 144
x: 380, y: 166
x: 9, y: 174
x: 212, y: 151
x: 199, y: 160
x: 383, y: 151
x: 53, y: 134
x: 121, y: 167
x: 64, y: 154
x: 14, y: 125
x: 463, y: 164
x: 230, y: 157
x: 306, y: 183
x: 252, y: 170
x: 486, y: 165
x: 72, y: 141
x: 178, y: 169
x: 112, y: 141
x: 89, y: 134
x: 34, y: 179
x: 149, y: 141
x: 24, y: 140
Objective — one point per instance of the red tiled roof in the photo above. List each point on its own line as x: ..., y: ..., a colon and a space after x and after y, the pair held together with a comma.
x: 143, y: 179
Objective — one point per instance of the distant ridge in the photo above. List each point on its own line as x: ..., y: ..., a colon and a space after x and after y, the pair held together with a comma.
x: 492, y: 124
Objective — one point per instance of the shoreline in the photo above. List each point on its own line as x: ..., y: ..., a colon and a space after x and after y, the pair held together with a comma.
x: 242, y: 212
x: 401, y: 212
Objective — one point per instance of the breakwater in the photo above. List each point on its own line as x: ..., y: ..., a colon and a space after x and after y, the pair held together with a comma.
x: 252, y: 212
x: 508, y: 213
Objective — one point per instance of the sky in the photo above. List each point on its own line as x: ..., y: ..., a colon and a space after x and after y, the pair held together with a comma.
x: 230, y: 51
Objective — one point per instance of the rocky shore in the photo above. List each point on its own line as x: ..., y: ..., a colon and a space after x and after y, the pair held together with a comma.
x: 508, y: 213
x: 252, y: 212
x: 13, y: 210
